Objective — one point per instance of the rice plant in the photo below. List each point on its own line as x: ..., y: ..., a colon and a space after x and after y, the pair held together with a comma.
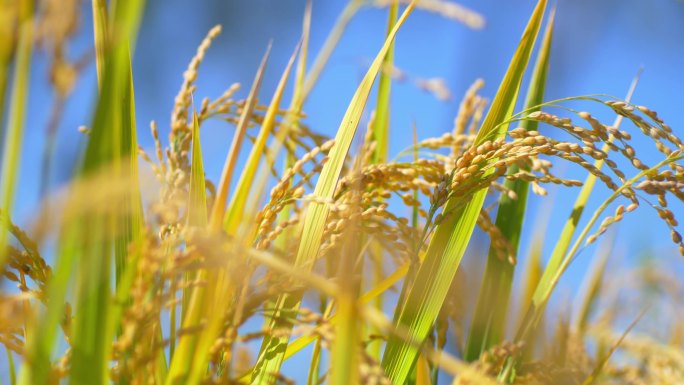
x: 336, y: 252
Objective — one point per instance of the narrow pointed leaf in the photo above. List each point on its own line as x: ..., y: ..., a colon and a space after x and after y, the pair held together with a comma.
x: 197, y: 206
x: 94, y: 238
x: 489, y: 320
x: 246, y: 181
x: 273, y: 348
x: 193, y: 302
x: 219, y: 207
x: 14, y: 131
x: 382, y: 108
x: 451, y: 237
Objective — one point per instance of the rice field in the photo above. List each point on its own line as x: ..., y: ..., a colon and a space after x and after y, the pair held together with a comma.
x: 327, y: 256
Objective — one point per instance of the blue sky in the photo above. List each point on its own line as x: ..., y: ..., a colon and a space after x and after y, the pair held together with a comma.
x: 598, y: 48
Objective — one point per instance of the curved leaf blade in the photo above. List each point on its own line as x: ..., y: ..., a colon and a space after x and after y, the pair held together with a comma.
x: 451, y: 237
x: 273, y: 348
x: 487, y: 328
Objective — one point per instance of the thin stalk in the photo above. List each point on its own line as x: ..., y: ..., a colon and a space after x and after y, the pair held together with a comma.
x: 606, y: 357
x: 313, y: 378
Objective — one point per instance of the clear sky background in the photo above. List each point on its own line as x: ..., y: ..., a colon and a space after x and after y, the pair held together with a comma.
x: 598, y: 48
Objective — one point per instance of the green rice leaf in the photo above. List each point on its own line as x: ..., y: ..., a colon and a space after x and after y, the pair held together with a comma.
x: 380, y: 132
x: 183, y: 361
x: 197, y: 218
x: 112, y: 148
x: 131, y: 224
x: 91, y: 240
x: 14, y: 132
x: 451, y: 236
x: 489, y: 320
x: 197, y: 206
x: 273, y: 348
x: 382, y: 108
x: 325, y: 187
